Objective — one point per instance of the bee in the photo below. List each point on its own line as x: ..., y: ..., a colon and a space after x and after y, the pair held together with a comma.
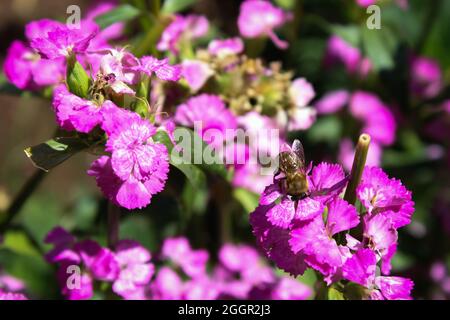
x: 292, y: 165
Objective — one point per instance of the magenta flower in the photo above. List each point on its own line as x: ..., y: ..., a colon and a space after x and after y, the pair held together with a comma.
x: 277, y: 213
x: 208, y: 112
x: 57, y: 40
x: 361, y: 268
x: 167, y: 285
x: 136, y: 270
x: 426, y: 77
x: 161, y: 68
x: 301, y: 92
x: 379, y: 121
x: 182, y: 29
x: 120, y: 63
x: 288, y: 288
x: 100, y: 261
x: 283, y: 209
x: 75, y: 113
x: 179, y: 251
x: 113, y: 31
x: 381, y: 195
x: 250, y: 177
x: 332, y: 102
x: 340, y: 51
x: 137, y: 168
x: 26, y: 70
x: 97, y: 263
x: 196, y: 73
x: 225, y: 47
x: 259, y: 18
x: 314, y: 238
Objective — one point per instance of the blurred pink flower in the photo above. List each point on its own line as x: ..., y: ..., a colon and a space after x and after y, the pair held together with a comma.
x: 259, y: 18
x: 182, y: 28
x: 196, y: 73
x: 226, y: 47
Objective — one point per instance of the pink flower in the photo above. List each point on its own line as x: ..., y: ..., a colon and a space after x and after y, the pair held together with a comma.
x: 161, y: 68
x: 137, y: 168
x: 381, y: 195
x: 113, y: 31
x: 167, y: 285
x: 290, y: 289
x: 332, y: 102
x: 361, y: 267
x: 57, y: 40
x: 379, y: 122
x: 75, y: 113
x: 210, y: 112
x: 136, y: 270
x: 120, y: 63
x: 100, y: 261
x: 278, y: 213
x: 222, y: 48
x: 426, y: 77
x: 179, y: 251
x: 26, y: 70
x: 340, y: 51
x: 259, y: 18
x: 196, y: 73
x: 251, y: 177
x: 323, y: 177
x: 97, y: 263
x: 301, y: 92
x: 301, y: 118
x: 314, y: 238
x: 182, y: 28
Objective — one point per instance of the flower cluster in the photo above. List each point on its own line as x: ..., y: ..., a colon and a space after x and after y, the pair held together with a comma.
x: 81, y: 263
x: 129, y: 271
x: 240, y: 274
x: 324, y: 232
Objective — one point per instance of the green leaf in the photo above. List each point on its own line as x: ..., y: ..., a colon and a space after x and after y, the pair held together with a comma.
x: 19, y: 242
x: 351, y: 33
x: 197, y: 145
x: 121, y: 13
x: 379, y: 46
x: 192, y: 172
x: 173, y: 6
x: 77, y: 78
x: 354, y: 291
x: 334, y: 294
x: 50, y: 154
x: 248, y: 199
x: 326, y: 129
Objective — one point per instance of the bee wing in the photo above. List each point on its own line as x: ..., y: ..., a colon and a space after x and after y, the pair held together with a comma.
x: 297, y: 148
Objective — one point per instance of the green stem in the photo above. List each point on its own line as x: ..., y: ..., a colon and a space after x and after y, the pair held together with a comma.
x: 27, y: 190
x: 113, y: 225
x: 359, y: 162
